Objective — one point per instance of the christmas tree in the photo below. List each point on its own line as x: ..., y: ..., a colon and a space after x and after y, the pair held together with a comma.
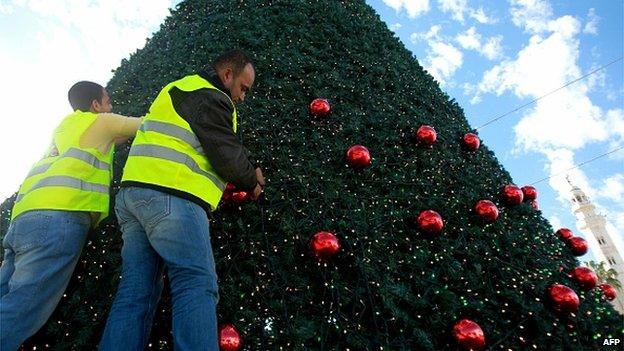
x: 387, y: 273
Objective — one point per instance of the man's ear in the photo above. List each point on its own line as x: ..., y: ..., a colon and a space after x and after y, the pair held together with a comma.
x: 95, y: 106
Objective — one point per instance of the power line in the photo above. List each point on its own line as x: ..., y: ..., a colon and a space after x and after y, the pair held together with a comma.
x: 551, y: 92
x: 580, y: 164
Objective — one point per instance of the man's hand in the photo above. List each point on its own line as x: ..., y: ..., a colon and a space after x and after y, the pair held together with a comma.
x: 260, y: 177
x: 256, y: 192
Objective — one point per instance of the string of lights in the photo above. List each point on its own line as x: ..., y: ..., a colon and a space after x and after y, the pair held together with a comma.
x: 579, y: 165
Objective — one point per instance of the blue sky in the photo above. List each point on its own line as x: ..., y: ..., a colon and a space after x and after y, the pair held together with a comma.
x: 491, y: 56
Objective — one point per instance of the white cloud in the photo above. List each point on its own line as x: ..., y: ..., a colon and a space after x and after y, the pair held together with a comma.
x: 455, y: 7
x: 533, y: 15
x: 395, y: 27
x: 471, y: 40
x: 414, y: 8
x: 443, y: 60
x: 75, y: 40
x: 492, y: 49
x: 458, y: 9
x: 591, y: 27
x: 480, y: 16
x: 432, y: 34
x: 613, y: 188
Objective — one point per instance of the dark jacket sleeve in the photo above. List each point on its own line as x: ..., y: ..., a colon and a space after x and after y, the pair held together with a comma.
x: 209, y: 113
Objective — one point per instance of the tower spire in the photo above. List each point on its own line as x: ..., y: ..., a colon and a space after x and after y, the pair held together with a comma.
x: 593, y: 224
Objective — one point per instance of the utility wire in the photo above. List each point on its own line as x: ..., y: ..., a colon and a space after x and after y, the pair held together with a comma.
x: 580, y: 164
x: 551, y: 92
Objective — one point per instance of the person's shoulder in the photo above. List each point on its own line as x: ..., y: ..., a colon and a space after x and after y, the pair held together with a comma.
x: 214, y: 96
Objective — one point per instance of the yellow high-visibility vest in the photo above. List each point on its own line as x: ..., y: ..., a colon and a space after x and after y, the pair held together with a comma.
x: 167, y: 153
x: 69, y: 177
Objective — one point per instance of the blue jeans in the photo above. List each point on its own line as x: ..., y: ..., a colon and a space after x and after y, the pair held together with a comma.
x: 163, y: 231
x: 41, y: 249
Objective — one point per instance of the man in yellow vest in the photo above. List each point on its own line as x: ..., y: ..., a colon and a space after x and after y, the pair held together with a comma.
x: 183, y: 155
x: 64, y: 194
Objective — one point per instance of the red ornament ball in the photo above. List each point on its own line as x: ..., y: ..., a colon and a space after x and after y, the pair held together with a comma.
x: 578, y: 246
x: 233, y: 196
x: 426, y: 135
x: 430, y: 222
x: 563, y: 298
x: 358, y: 156
x: 534, y: 205
x: 564, y: 234
x: 530, y: 193
x: 229, y: 338
x: 486, y: 210
x: 324, y: 245
x: 512, y: 195
x: 320, y: 107
x: 471, y: 142
x: 469, y: 334
x: 608, y: 291
x: 584, y: 277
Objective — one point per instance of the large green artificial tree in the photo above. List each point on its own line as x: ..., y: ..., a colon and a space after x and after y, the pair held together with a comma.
x: 390, y: 286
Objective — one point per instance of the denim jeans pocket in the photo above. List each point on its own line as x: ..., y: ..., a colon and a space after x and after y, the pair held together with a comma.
x: 28, y: 231
x: 153, y: 208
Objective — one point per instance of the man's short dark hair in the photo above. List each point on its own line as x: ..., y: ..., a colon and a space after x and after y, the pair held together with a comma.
x: 236, y: 59
x: 82, y: 94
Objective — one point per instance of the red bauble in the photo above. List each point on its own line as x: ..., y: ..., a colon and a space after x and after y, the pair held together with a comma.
x: 578, y: 246
x: 324, y: 245
x: 563, y: 298
x: 608, y: 291
x: 512, y: 195
x: 584, y: 277
x: 229, y: 338
x: 469, y: 334
x: 471, y: 142
x: 530, y: 193
x: 358, y: 156
x: 233, y: 196
x: 486, y: 210
x: 430, y: 222
x: 426, y: 135
x: 320, y: 107
x: 534, y: 205
x: 564, y: 234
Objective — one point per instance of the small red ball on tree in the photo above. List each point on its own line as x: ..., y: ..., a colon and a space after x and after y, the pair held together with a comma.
x: 358, y: 156
x: 320, y: 107
x: 426, y: 135
x: 471, y: 142
x: 584, y: 277
x: 578, y: 246
x: 530, y: 193
x: 469, y: 334
x: 512, y: 195
x: 324, y: 245
x: 563, y: 298
x: 229, y: 338
x: 486, y: 210
x: 608, y: 291
x: 564, y: 234
x: 430, y: 222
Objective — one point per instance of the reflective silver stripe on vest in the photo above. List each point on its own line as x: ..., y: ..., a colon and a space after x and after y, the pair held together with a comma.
x: 73, y: 153
x: 67, y: 182
x: 165, y: 153
x: 174, y: 131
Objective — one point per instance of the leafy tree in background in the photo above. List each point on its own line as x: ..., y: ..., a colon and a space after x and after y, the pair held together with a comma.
x: 389, y: 287
x: 609, y: 276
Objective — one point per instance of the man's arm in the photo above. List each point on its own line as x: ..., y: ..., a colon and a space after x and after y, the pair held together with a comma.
x: 110, y: 128
x: 209, y: 113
